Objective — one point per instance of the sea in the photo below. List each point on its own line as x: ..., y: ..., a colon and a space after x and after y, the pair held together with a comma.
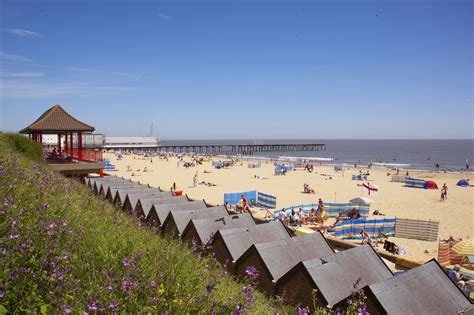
x: 448, y: 155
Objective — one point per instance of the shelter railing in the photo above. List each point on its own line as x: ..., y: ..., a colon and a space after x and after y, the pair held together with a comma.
x: 88, y: 155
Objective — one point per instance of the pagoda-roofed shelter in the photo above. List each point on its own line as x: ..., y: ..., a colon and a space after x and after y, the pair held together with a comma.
x: 57, y: 121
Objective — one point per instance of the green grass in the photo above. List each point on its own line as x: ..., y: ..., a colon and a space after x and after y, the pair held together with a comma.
x: 64, y: 250
x: 24, y: 146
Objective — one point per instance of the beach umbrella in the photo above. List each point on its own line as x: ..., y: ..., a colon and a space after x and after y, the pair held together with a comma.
x: 361, y: 200
x: 464, y: 247
x: 463, y: 182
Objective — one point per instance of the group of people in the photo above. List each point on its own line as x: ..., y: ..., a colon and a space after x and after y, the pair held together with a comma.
x: 297, y: 218
x: 62, y: 155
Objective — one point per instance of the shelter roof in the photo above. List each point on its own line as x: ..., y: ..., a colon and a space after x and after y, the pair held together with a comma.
x: 56, y: 119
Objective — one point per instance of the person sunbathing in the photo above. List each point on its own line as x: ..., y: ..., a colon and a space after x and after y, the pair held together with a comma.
x: 308, y: 190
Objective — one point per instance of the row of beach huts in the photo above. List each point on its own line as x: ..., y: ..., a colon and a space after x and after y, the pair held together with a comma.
x: 293, y: 267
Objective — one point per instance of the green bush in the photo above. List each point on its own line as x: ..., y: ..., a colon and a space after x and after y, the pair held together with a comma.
x: 28, y: 148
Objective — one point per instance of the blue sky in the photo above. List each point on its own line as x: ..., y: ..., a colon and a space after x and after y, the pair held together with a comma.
x: 242, y: 69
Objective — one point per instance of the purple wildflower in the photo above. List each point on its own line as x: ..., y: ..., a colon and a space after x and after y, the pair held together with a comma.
x: 153, y: 283
x: 252, y: 272
x: 109, y: 288
x: 349, y: 301
x: 247, y: 293
x: 15, y: 235
x: 93, y: 306
x: 66, y: 309
x: 209, y: 288
x: 112, y: 305
x: 125, y: 262
x: 127, y: 286
x: 302, y: 311
x: 46, y: 205
x: 2, y: 294
x: 2, y: 172
x: 237, y: 309
x: 7, y: 202
x: 22, y: 248
x: 161, y: 274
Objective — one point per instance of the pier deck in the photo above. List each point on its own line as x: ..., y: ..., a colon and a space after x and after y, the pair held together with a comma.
x: 241, y: 149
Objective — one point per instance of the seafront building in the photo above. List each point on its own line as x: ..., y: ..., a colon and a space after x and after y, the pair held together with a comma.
x: 131, y: 143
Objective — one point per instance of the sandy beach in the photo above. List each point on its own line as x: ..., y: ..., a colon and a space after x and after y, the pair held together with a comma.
x: 394, y: 200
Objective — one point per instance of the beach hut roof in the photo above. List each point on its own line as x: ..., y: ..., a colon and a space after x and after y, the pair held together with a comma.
x: 182, y: 218
x: 124, y: 191
x: 336, y: 274
x: 206, y: 228
x: 280, y: 256
x: 163, y: 210
x: 147, y: 204
x: 100, y: 183
x: 150, y: 193
x: 120, y: 183
x: 238, y: 240
x: 114, y: 187
x: 426, y: 289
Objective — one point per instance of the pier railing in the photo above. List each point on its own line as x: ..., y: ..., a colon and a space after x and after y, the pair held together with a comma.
x: 241, y: 149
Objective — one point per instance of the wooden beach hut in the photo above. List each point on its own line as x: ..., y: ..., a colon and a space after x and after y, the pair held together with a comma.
x: 333, y: 277
x: 426, y: 289
x: 229, y: 244
x: 122, y: 193
x: 202, y: 230
x: 176, y: 221
x: 104, y: 187
x: 159, y: 212
x: 144, y: 205
x: 96, y: 183
x: 112, y: 190
x: 274, y: 259
x: 132, y: 199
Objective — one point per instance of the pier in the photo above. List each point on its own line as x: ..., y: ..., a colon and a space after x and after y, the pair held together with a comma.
x: 241, y: 149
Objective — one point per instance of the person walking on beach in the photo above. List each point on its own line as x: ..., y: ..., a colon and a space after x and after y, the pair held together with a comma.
x: 195, y: 180
x: 467, y: 164
x: 445, y: 188
x: 442, y: 194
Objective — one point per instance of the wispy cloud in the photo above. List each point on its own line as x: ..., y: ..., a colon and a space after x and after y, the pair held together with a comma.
x: 123, y: 74
x: 24, y: 33
x: 163, y: 16
x: 10, y: 57
x: 26, y: 75
x: 15, y: 89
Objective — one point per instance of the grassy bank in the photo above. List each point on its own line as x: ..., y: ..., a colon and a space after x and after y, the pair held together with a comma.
x: 62, y: 250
